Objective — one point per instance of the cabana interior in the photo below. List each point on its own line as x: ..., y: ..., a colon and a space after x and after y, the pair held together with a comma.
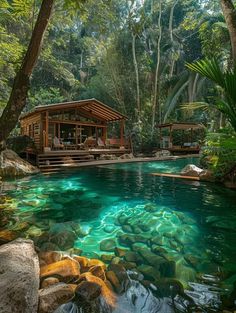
x: 180, y: 138
x: 74, y: 126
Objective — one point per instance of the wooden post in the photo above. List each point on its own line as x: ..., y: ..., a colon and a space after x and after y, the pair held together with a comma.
x: 171, y: 138
x: 80, y: 134
x: 122, y: 125
x: 46, y: 130
x: 54, y: 130
x: 59, y: 131
x: 96, y: 132
x: 76, y: 135
x: 41, y: 132
x: 104, y: 134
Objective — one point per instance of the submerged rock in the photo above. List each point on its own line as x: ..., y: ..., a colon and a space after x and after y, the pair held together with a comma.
x: 64, y: 239
x: 127, y: 228
x: 19, y: 277
x: 12, y: 165
x: 109, y: 228
x: 7, y: 235
x: 149, y: 272
x: 107, y: 245
x: 131, y: 256
x: 107, y: 257
x: 120, y: 252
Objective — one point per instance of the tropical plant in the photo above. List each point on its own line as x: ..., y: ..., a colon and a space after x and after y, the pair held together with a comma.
x: 225, y: 79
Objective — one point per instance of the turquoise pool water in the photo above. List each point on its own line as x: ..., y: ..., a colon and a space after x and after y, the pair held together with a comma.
x: 188, y: 223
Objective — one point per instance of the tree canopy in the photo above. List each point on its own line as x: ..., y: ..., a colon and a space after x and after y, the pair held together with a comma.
x: 128, y: 54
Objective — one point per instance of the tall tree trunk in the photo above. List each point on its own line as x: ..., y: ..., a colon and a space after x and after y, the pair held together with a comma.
x: 17, y: 99
x: 172, y: 66
x: 229, y: 12
x: 155, y: 96
x: 136, y: 75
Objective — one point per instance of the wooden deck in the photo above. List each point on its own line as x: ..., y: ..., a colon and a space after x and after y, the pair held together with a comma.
x: 52, y: 161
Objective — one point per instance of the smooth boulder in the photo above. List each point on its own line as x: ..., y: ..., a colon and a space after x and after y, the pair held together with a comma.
x: 12, y: 165
x: 19, y: 277
x: 191, y: 170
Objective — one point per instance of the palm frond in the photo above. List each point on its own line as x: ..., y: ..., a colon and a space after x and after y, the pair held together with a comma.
x: 192, y: 106
x: 211, y: 69
x: 173, y: 97
x: 208, y: 68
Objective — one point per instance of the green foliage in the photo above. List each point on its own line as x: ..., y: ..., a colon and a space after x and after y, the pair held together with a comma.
x: 87, y: 52
x: 43, y: 96
x: 22, y: 8
x: 10, y: 55
x: 219, y: 154
x: 211, y: 69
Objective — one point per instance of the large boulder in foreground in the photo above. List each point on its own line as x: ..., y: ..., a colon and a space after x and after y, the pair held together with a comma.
x: 19, y: 277
x: 12, y: 165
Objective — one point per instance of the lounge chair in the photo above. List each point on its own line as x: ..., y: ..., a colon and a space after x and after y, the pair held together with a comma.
x: 101, y: 143
x: 57, y: 144
x: 90, y: 142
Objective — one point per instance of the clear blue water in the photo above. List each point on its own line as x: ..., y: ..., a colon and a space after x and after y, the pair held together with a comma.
x: 195, y: 223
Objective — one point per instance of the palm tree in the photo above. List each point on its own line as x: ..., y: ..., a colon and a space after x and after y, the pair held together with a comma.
x: 211, y: 69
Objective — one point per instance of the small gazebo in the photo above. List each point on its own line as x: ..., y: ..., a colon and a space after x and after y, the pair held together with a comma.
x: 186, y: 142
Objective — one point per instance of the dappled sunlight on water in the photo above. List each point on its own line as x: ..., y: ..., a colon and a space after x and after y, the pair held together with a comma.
x: 188, y: 225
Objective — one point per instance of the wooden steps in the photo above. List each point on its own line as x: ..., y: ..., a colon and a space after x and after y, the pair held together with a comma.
x: 53, y: 162
x: 175, y: 176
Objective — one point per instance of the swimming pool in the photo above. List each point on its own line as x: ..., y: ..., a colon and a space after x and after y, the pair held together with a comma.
x: 95, y: 210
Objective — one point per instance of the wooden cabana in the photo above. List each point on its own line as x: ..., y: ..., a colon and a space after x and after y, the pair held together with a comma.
x: 186, y: 142
x: 76, y: 125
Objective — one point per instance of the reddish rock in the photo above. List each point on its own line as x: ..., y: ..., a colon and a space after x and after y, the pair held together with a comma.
x: 73, y: 286
x: 111, y: 276
x: 98, y: 271
x: 88, y: 291
x: 95, y: 262
x: 106, y: 292
x: 64, y: 268
x: 82, y: 261
x: 7, y: 235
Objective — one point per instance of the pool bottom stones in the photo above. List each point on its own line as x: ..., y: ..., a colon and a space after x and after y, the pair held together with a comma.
x: 165, y: 230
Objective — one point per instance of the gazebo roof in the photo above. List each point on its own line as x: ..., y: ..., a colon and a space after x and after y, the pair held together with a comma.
x: 183, y: 126
x: 92, y: 107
